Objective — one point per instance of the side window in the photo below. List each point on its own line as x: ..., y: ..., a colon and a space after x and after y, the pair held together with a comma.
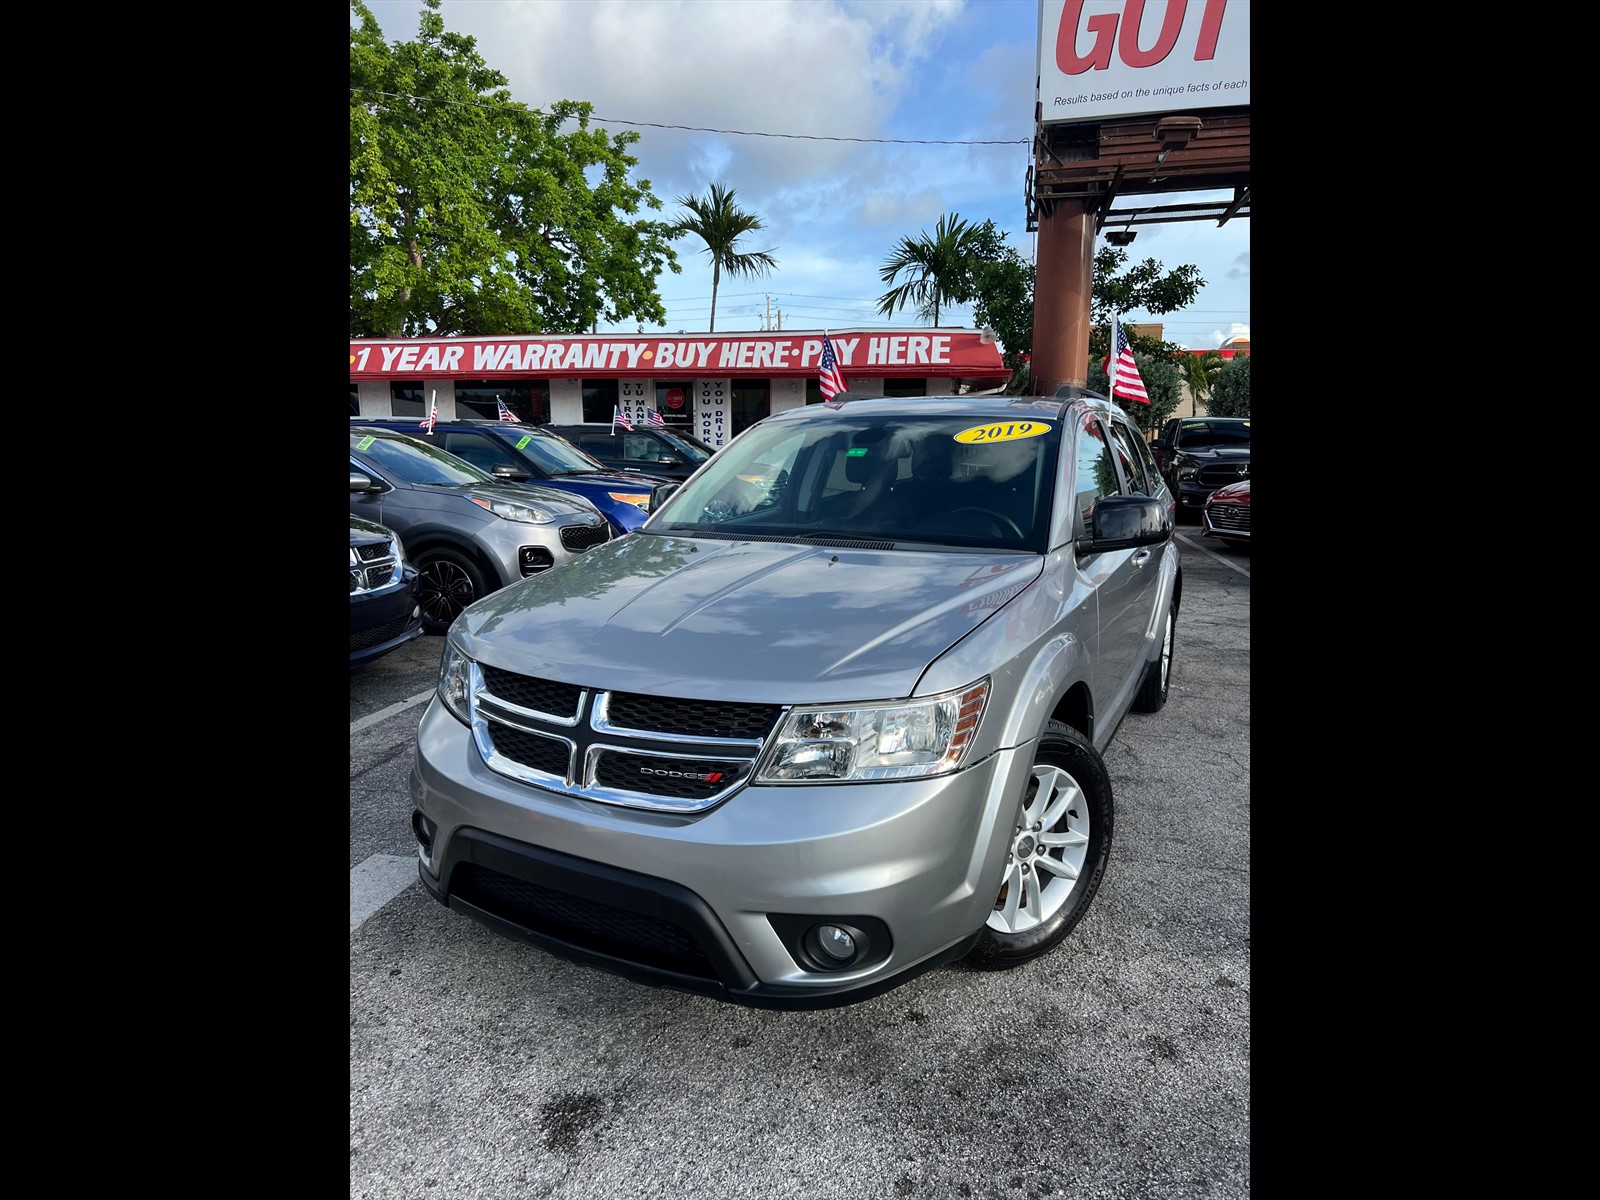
x: 1129, y: 459
x: 479, y: 450
x: 601, y: 445
x: 1094, y: 475
x: 639, y: 447
x: 1147, y: 456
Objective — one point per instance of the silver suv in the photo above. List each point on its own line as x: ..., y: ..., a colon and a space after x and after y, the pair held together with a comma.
x: 468, y: 533
x: 832, y: 716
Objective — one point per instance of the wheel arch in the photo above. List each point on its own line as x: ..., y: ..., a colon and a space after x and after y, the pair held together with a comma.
x: 420, y: 542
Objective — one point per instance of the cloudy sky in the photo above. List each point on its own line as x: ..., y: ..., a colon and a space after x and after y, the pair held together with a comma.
x: 897, y: 74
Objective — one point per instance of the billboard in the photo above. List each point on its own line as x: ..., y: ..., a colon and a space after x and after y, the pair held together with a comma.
x: 1119, y: 58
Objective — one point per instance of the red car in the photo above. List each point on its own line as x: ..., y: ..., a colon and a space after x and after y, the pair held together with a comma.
x: 1226, y: 514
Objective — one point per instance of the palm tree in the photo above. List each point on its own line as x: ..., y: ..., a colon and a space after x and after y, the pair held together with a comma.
x: 720, y: 223
x: 1198, y: 372
x: 938, y: 269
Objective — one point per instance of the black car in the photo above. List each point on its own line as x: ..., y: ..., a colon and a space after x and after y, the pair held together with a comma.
x: 385, y: 608
x: 1197, y: 455
x: 650, y: 449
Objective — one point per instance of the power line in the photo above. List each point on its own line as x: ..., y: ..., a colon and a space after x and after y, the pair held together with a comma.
x: 807, y: 137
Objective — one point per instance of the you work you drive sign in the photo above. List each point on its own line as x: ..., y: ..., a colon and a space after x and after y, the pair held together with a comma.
x: 1118, y: 58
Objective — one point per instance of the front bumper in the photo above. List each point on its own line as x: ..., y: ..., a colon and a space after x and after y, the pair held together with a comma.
x: 717, y: 902
x: 384, y: 620
x: 520, y: 549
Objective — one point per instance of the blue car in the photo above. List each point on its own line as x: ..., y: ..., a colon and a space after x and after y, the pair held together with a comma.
x: 525, y: 454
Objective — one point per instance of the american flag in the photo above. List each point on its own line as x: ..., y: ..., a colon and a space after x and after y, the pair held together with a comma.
x: 619, y: 419
x: 1123, y: 371
x: 831, y: 378
x: 505, y: 413
x: 429, y: 421
x: 655, y: 417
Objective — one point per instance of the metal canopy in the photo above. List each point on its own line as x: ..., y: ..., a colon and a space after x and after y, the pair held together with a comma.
x: 1117, y: 161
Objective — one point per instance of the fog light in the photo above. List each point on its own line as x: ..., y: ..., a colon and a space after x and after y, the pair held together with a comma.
x: 833, y: 947
x: 836, y: 943
x: 423, y: 829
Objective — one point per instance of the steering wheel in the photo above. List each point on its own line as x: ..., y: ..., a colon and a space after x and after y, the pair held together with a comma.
x: 1001, y: 522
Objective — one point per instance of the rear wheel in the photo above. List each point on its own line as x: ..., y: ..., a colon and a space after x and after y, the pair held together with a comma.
x: 1157, y: 681
x: 1058, y: 852
x: 449, y: 581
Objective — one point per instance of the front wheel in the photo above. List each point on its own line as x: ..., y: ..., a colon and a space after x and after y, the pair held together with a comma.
x: 1058, y: 852
x: 449, y: 582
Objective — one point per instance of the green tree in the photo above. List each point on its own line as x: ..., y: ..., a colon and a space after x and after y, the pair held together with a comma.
x: 938, y: 270
x: 718, y: 222
x: 473, y: 214
x: 1198, y: 371
x: 1163, y: 382
x: 1230, y: 393
x: 1002, y: 299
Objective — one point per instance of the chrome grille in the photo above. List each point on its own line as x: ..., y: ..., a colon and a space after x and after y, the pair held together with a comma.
x: 372, y: 566
x: 1233, y: 518
x: 670, y: 754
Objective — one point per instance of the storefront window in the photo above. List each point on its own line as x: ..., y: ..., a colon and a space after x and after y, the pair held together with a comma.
x: 813, y: 392
x: 405, y: 399
x: 599, y: 400
x: 673, y: 402
x: 355, y: 401
x: 751, y: 402
x: 905, y: 387
x: 529, y: 399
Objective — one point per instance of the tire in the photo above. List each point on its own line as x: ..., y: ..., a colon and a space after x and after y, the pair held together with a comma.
x: 1068, y: 785
x: 1157, y: 681
x: 449, y: 581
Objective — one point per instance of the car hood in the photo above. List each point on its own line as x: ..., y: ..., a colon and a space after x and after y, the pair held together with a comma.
x: 599, y: 484
x: 1234, y: 493
x: 563, y: 504
x: 1218, y: 454
x: 758, y: 622
x: 365, y: 533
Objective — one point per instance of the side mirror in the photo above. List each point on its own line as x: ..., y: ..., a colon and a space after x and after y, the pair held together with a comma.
x: 660, y: 492
x: 507, y: 471
x: 670, y: 460
x: 1125, y: 522
x: 360, y: 482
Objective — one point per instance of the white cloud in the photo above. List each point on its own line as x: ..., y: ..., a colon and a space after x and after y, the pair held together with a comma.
x: 922, y: 71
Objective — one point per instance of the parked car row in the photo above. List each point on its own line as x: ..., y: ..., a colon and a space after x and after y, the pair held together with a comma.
x: 534, y: 454
x: 468, y: 532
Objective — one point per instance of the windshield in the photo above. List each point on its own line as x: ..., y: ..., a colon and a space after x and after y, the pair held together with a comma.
x: 693, y: 449
x: 1206, y: 435
x: 413, y: 460
x: 946, y: 481
x: 554, y: 455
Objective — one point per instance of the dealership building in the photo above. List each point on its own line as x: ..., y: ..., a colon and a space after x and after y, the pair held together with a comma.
x: 712, y: 386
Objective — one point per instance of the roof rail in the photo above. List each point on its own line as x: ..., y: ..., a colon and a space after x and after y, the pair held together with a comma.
x: 840, y: 399
x: 1072, y: 391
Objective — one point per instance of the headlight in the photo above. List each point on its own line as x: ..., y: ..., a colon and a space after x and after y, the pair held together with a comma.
x: 399, y: 552
x: 528, y: 514
x: 910, y: 740
x: 1187, y: 472
x: 642, y: 499
x: 455, y: 683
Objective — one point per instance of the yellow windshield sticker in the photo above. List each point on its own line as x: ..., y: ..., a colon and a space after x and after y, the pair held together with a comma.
x: 365, y: 442
x: 1010, y: 431
x: 526, y: 438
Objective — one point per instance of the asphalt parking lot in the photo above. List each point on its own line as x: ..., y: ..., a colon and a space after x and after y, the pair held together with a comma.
x: 1117, y: 1066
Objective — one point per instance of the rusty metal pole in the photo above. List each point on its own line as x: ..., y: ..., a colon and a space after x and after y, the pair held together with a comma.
x: 1063, y: 282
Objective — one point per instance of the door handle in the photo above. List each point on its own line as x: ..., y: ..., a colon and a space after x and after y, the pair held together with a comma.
x: 1141, y: 557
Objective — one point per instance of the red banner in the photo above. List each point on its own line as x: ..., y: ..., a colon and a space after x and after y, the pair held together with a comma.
x: 930, y: 353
